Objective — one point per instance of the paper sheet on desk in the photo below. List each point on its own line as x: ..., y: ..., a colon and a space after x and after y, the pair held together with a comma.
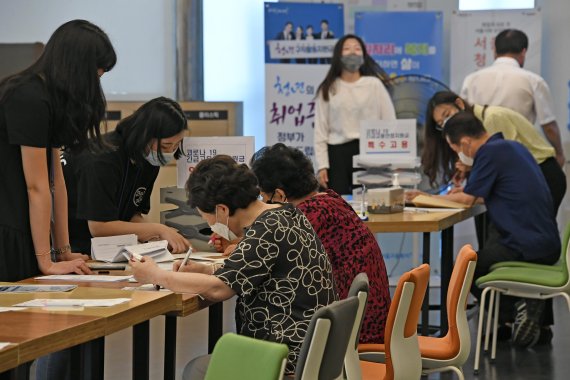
x: 211, y: 257
x: 4, y: 344
x: 430, y: 209
x: 114, y: 249
x: 35, y: 288
x: 84, y: 277
x: 4, y: 309
x: 47, y: 302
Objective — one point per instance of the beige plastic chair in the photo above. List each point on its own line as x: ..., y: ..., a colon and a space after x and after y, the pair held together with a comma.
x: 324, y: 347
x: 450, y: 352
x: 403, y: 360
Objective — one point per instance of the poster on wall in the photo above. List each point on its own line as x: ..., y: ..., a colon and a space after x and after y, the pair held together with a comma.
x: 403, y: 42
x: 197, y: 148
x: 473, y: 40
x: 299, y: 41
x: 357, y: 6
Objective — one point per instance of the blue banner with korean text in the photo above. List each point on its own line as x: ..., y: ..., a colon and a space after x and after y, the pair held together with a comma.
x: 404, y: 42
x: 299, y: 40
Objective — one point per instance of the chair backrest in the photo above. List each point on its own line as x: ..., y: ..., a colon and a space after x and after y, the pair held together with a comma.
x: 359, y: 289
x: 403, y: 360
x: 458, y: 291
x: 243, y: 358
x: 323, y: 350
x: 564, y: 259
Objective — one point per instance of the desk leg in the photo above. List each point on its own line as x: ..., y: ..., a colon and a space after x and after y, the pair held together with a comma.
x: 21, y: 372
x: 170, y: 346
x: 88, y: 360
x: 425, y: 305
x: 215, y: 322
x: 446, y: 269
x: 141, y: 354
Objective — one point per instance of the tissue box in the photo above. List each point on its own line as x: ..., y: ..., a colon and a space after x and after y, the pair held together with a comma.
x: 385, y: 200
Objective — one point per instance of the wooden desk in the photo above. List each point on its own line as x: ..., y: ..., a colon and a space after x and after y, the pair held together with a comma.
x: 427, y: 223
x: 8, y: 358
x: 184, y: 305
x: 187, y: 304
x: 38, y: 332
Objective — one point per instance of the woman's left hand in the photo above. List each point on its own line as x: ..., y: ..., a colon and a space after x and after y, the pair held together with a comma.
x: 68, y: 256
x: 145, y: 271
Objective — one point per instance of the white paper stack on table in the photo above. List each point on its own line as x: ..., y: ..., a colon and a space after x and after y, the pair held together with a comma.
x: 113, y: 249
x: 211, y: 257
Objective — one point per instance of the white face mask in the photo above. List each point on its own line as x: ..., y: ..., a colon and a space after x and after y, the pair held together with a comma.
x: 152, y: 158
x: 465, y: 159
x: 222, y: 229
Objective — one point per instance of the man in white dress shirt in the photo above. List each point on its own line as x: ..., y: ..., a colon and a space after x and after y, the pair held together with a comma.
x: 505, y: 83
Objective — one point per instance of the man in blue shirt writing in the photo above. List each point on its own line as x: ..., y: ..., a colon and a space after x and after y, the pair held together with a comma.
x: 523, y: 227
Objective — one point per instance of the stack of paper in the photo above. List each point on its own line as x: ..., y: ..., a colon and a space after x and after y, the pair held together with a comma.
x: 84, y: 278
x: 69, y: 302
x: 114, y: 249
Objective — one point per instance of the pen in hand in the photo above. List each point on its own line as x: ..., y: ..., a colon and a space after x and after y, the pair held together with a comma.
x: 186, y: 258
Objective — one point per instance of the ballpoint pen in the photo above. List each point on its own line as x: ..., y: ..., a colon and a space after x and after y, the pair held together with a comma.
x: 185, y: 258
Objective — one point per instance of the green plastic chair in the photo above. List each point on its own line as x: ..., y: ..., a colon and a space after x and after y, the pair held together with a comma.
x: 560, y: 266
x: 531, y: 281
x: 240, y: 357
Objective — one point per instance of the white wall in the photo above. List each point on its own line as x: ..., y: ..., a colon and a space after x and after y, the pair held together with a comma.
x: 141, y: 31
x: 234, y: 59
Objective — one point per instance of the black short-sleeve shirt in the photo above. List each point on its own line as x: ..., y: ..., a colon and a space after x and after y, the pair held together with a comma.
x: 104, y: 187
x: 26, y: 119
x: 282, y: 275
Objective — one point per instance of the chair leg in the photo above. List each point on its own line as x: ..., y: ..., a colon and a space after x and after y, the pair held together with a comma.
x: 567, y: 298
x: 459, y: 372
x: 495, y: 325
x: 480, y: 330
x: 489, y: 319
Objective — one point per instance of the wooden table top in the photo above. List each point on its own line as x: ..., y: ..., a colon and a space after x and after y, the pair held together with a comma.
x: 39, y: 331
x: 185, y: 303
x: 420, y: 222
x: 8, y: 357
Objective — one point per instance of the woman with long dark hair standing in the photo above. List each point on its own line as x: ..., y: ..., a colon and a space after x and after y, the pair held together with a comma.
x: 353, y: 90
x: 55, y: 103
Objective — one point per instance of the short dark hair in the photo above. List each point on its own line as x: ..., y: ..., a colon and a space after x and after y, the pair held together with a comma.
x: 220, y: 180
x: 158, y: 118
x: 284, y: 167
x: 510, y: 41
x: 463, y: 124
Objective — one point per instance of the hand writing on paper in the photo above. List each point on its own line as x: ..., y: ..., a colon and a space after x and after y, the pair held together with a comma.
x: 145, y: 271
x: 191, y: 267
x: 222, y: 245
x: 411, y: 194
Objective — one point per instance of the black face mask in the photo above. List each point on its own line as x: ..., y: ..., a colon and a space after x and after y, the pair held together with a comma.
x: 270, y: 201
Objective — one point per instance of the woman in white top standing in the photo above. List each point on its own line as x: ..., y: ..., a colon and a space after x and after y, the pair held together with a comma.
x: 353, y: 90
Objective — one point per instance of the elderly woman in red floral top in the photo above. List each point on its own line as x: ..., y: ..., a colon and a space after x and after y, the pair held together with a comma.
x: 285, y: 174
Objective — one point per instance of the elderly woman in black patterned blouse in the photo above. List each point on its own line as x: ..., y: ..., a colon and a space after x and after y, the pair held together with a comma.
x: 279, y: 269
